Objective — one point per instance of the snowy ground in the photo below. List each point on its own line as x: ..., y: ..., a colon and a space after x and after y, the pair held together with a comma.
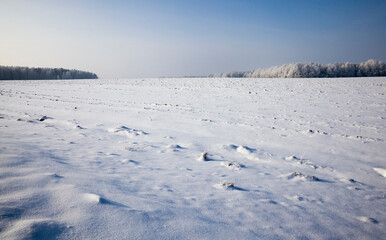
x: 124, y: 159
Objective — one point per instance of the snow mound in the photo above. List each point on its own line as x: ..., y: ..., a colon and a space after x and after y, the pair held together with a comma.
x: 94, y: 198
x: 233, y: 165
x: 43, y: 118
x: 291, y: 158
x: 225, y: 185
x: 367, y: 220
x: 90, y: 197
x: 203, y: 157
x: 174, y: 147
x: 131, y: 132
x: 299, y: 175
x: 244, y: 150
x: 380, y: 171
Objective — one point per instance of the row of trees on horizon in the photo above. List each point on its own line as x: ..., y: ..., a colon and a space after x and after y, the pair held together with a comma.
x: 370, y: 68
x: 26, y: 73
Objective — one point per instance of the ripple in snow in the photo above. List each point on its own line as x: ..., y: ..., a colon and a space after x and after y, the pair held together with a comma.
x: 35, y: 229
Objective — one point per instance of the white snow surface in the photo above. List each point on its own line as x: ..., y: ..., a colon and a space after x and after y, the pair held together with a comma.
x: 117, y: 159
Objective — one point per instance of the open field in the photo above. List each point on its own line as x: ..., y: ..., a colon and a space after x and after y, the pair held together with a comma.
x: 125, y: 159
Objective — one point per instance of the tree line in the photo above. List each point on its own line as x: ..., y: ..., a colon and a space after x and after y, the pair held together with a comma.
x: 26, y: 73
x: 370, y: 68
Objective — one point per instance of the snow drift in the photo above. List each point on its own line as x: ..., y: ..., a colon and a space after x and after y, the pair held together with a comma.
x: 193, y: 159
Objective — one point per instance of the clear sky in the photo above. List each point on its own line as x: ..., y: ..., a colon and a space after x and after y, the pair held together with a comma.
x: 116, y: 38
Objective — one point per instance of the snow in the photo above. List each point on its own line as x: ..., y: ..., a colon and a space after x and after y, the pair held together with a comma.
x: 117, y: 159
x: 381, y: 171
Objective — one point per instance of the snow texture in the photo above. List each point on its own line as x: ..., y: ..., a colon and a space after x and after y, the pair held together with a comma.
x: 118, y: 159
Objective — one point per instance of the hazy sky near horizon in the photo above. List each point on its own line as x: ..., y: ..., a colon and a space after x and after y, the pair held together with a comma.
x: 151, y: 38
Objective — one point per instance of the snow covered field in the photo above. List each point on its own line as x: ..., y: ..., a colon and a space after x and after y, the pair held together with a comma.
x: 125, y: 159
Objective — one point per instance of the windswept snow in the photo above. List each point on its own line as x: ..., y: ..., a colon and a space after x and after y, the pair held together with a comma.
x: 381, y: 171
x: 193, y: 159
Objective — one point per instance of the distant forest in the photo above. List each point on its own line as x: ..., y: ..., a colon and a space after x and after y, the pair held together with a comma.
x: 371, y: 68
x: 26, y: 73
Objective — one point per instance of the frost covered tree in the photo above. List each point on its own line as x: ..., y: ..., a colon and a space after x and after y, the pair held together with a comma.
x: 25, y: 73
x: 370, y: 68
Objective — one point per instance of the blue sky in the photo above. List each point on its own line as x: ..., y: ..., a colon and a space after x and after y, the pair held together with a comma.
x: 132, y: 39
